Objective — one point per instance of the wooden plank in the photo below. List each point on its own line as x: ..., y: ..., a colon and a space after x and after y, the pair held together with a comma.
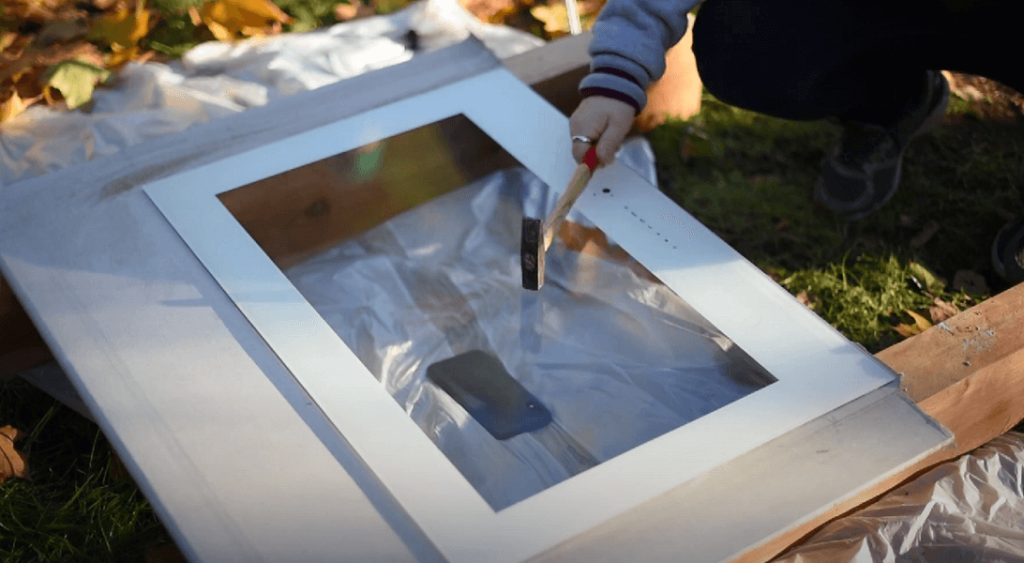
x: 555, y: 70
x: 952, y: 351
x: 967, y: 374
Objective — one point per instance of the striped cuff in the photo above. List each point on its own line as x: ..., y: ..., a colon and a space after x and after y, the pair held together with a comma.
x: 615, y: 86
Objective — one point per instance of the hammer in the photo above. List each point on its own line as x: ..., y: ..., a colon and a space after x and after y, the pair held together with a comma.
x: 537, y: 236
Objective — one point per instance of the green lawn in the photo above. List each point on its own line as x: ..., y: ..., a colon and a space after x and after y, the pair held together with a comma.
x: 749, y: 178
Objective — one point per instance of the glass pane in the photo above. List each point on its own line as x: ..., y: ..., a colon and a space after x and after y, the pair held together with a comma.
x: 409, y: 249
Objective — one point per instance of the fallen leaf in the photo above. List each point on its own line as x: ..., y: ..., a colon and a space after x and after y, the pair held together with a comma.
x: 487, y: 10
x: 806, y: 299
x: 119, y: 56
x: 346, y: 12
x: 125, y: 27
x: 920, y: 325
x: 61, y: 30
x: 11, y: 108
x: 34, y: 57
x: 30, y: 10
x: 555, y: 18
x: 13, y: 464
x: 75, y: 80
x: 230, y: 19
x: 7, y: 38
x: 942, y: 311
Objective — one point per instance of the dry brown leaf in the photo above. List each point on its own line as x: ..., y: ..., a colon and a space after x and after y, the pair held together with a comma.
x: 41, y: 11
x: 13, y: 464
x: 37, y: 12
x: 61, y: 30
x: 920, y: 325
x: 346, y: 12
x: 34, y: 58
x: 555, y: 18
x: 7, y: 38
x: 806, y: 299
x: 486, y: 10
x: 231, y: 19
x: 942, y: 311
x: 119, y: 56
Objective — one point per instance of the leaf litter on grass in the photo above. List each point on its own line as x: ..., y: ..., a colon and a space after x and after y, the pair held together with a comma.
x: 13, y: 464
x: 75, y: 508
x: 36, y: 35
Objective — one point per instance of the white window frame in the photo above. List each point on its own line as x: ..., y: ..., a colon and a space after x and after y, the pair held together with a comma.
x: 817, y: 369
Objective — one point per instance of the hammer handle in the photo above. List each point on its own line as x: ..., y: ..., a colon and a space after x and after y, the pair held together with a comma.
x: 572, y: 192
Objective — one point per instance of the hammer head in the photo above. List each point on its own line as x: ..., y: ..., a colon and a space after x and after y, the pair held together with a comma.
x: 531, y: 253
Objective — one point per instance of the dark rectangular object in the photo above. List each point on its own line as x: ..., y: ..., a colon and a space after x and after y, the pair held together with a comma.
x: 481, y: 384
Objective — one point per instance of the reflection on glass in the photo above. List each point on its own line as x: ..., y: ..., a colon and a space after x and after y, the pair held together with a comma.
x: 428, y: 269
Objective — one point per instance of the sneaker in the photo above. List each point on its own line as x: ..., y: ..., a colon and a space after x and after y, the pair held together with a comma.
x: 862, y: 171
x: 1008, y: 251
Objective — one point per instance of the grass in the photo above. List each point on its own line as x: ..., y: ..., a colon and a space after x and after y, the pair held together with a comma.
x: 747, y: 177
x: 78, y: 505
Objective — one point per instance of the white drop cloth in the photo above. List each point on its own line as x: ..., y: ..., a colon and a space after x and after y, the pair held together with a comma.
x: 216, y: 79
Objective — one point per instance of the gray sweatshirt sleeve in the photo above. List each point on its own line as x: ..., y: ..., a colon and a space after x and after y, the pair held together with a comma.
x: 628, y: 50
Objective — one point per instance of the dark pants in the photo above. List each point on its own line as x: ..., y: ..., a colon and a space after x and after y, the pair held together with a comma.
x: 851, y: 59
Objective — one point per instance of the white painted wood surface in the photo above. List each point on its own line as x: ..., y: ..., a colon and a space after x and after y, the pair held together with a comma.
x: 237, y: 460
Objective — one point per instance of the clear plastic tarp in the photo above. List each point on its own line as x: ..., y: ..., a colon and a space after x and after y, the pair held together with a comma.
x: 970, y: 510
x: 216, y: 79
x: 616, y: 356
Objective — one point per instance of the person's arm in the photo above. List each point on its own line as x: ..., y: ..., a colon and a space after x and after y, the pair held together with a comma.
x: 627, y: 54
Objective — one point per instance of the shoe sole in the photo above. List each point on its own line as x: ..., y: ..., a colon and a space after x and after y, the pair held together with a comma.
x: 929, y: 124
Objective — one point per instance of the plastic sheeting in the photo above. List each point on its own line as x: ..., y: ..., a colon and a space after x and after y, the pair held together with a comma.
x: 216, y: 79
x: 617, y: 358
x: 970, y: 510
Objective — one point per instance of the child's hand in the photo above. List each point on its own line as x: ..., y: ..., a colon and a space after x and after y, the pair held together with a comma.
x: 605, y: 121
